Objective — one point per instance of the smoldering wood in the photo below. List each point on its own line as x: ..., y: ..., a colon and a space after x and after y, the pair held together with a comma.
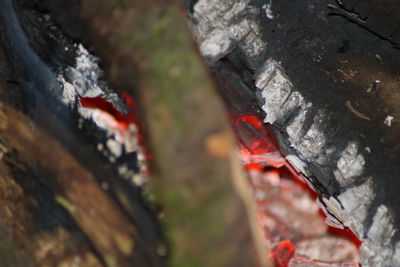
x: 55, y: 168
x: 47, y: 146
x: 326, y: 76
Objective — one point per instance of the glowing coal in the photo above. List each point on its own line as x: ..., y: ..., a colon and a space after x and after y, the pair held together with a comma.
x: 289, y: 216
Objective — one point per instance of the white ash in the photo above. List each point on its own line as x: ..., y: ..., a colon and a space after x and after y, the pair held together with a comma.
x: 312, y: 145
x: 139, y: 179
x: 376, y: 256
x: 356, y: 202
x: 238, y: 31
x: 236, y: 9
x: 295, y: 127
x: 69, y: 95
x: 115, y: 147
x: 396, y: 255
x: 280, y: 100
x: 377, y: 249
x: 254, y: 48
x: 217, y: 45
x: 85, y: 80
x: 350, y: 165
x: 212, y: 9
x: 265, y: 72
x: 277, y: 92
x: 373, y: 255
x: 220, y: 26
x: 86, y: 74
x: 388, y: 120
x: 382, y: 229
x: 362, y: 194
x: 100, y: 147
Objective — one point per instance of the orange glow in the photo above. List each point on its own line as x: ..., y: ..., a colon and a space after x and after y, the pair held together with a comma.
x: 283, y: 253
x: 100, y: 103
x: 119, y: 121
x: 259, y: 153
x: 254, y: 166
x: 253, y: 120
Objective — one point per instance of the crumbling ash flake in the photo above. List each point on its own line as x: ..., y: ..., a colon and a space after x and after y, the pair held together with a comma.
x: 253, y: 47
x: 350, y: 165
x: 218, y: 29
x: 212, y: 9
x: 397, y: 254
x: 86, y: 79
x: 312, y: 145
x: 356, y: 202
x: 377, y: 248
x: 236, y: 9
x: 362, y: 194
x: 264, y: 73
x: 382, y: 228
x: 217, y: 45
x: 69, y: 96
x: 279, y: 97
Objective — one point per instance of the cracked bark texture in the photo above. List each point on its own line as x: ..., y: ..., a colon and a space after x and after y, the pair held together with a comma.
x: 326, y: 74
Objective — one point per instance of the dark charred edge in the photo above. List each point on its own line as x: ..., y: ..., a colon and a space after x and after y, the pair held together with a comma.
x: 41, y: 90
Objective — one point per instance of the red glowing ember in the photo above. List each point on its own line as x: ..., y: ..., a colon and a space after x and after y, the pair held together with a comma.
x: 256, y: 145
x: 287, y: 210
x: 283, y: 253
x: 123, y: 126
x: 100, y: 103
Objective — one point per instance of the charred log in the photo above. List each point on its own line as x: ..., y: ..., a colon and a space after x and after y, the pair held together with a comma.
x: 80, y: 172
x: 325, y: 74
x: 102, y: 219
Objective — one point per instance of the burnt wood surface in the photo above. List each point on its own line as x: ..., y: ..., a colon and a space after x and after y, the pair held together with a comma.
x: 73, y: 203
x: 326, y: 74
x: 101, y: 218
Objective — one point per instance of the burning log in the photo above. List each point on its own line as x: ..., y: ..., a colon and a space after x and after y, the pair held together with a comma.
x: 325, y: 74
x: 71, y: 142
x: 49, y: 153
